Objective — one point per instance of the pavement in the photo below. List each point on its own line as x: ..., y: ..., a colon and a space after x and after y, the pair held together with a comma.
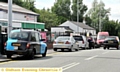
x: 3, y: 58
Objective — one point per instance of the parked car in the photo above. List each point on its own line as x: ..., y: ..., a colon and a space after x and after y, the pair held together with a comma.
x: 111, y: 41
x: 82, y: 41
x: 65, y: 42
x: 25, y: 42
x: 101, y: 37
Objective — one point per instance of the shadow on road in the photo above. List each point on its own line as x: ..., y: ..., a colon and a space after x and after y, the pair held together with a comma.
x: 35, y: 58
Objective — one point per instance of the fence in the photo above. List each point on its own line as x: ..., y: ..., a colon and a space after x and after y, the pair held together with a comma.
x: 51, y: 36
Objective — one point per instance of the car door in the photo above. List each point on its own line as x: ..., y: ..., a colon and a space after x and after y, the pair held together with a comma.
x: 35, y: 41
x: 38, y: 45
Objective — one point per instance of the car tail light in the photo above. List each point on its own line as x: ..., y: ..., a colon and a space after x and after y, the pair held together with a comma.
x: 67, y: 42
x: 54, y: 42
x: 83, y: 42
x: 5, y: 44
x: 28, y: 45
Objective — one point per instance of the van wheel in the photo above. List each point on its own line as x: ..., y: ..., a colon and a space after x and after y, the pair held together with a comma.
x: 9, y: 56
x: 44, y: 55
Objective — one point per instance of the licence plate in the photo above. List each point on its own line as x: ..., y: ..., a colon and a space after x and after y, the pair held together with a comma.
x: 110, y: 42
x: 16, y: 48
x: 60, y: 42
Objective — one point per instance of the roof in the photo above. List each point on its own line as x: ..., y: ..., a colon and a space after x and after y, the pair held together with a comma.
x: 16, y: 8
x: 66, y: 27
x: 84, y: 26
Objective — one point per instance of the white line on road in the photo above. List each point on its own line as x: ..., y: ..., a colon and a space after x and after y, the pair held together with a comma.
x: 70, y: 66
x: 105, y: 52
x: 91, y: 57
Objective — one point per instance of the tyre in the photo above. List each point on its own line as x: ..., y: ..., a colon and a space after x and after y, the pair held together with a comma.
x: 31, y: 55
x: 55, y: 49
x: 104, y: 47
x: 76, y: 49
x: 9, y: 56
x: 107, y: 47
x: 44, y: 55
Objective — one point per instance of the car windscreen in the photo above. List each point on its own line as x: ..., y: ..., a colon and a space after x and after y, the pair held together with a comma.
x: 110, y: 38
x: 19, y: 35
x: 78, y: 38
x: 102, y: 36
x: 63, y: 38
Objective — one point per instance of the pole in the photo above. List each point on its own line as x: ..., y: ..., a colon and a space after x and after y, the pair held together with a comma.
x: 9, y: 16
x: 77, y: 15
x: 100, y: 20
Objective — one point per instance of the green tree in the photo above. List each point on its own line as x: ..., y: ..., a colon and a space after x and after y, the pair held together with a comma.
x: 97, y: 13
x: 62, y: 9
x: 81, y: 9
x: 50, y: 19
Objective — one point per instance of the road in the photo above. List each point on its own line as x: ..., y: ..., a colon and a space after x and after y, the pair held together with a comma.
x: 94, y: 60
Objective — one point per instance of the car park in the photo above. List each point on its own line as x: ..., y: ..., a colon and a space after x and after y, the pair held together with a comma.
x: 65, y: 42
x: 25, y: 42
x: 111, y: 41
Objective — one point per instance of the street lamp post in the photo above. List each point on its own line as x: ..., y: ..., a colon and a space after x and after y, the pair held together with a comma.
x: 9, y: 16
x: 77, y: 15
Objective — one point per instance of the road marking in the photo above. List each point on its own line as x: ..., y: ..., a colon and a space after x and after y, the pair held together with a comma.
x: 105, y: 52
x: 54, y: 53
x: 7, y: 62
x: 68, y: 65
x: 91, y: 57
x: 72, y: 65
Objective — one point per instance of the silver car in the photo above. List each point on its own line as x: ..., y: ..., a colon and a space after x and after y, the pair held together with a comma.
x: 65, y: 42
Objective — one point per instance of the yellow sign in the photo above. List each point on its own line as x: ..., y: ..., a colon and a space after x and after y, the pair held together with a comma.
x: 30, y: 69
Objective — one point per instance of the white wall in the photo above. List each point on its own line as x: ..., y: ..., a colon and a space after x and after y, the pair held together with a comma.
x: 1, y: 14
x: 72, y: 26
x: 19, y: 16
x: 57, y: 29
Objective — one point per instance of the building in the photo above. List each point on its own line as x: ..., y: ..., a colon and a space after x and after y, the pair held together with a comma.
x: 21, y: 17
x: 79, y: 27
x: 61, y: 29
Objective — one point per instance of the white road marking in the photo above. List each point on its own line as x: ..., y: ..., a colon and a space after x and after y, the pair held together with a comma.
x: 105, y: 52
x: 70, y: 66
x: 91, y: 57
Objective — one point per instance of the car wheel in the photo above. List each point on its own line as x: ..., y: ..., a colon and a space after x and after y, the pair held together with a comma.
x: 107, y: 47
x: 9, y: 56
x: 31, y: 56
x: 104, y: 47
x: 44, y: 55
x: 118, y: 48
x: 55, y: 49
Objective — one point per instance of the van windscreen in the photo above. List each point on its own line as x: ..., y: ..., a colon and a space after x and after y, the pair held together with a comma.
x: 102, y: 36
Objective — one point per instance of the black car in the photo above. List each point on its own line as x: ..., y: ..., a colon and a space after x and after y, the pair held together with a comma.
x: 111, y: 41
x: 25, y: 42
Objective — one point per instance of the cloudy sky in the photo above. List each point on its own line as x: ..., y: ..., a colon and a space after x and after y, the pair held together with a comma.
x: 113, y: 4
